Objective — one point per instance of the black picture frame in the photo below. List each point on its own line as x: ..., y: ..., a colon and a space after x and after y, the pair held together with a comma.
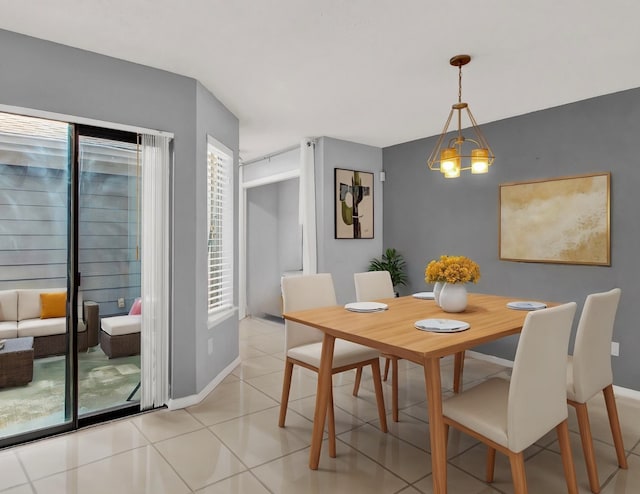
x: 353, y: 204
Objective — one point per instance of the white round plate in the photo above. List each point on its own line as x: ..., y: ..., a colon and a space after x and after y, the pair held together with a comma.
x: 526, y: 305
x: 366, y: 306
x: 442, y: 325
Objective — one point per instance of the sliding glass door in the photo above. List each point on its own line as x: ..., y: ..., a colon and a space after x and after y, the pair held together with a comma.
x: 69, y: 266
x: 35, y: 227
x: 109, y: 259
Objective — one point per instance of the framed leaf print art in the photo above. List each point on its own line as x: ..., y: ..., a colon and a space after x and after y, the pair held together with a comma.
x: 353, y: 204
x: 560, y: 220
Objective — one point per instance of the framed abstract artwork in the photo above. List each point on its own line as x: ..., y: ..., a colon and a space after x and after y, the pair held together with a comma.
x: 353, y: 204
x: 560, y: 220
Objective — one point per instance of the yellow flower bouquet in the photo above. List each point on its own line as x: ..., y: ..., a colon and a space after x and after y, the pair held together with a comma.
x: 452, y: 269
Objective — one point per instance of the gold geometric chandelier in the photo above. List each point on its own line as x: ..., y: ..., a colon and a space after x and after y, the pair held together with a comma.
x: 461, y: 153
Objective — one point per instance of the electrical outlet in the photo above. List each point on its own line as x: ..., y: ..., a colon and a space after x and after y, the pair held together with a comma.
x: 121, y: 303
x: 615, y: 348
x: 210, y: 345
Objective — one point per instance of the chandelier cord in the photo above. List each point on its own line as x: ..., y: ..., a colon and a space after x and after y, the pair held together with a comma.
x: 460, y: 84
x: 460, y: 138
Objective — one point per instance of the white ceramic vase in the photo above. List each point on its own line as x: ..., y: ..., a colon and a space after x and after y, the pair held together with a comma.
x: 437, y: 288
x: 453, y: 297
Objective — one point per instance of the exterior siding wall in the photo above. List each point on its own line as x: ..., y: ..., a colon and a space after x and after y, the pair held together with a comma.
x: 33, y: 233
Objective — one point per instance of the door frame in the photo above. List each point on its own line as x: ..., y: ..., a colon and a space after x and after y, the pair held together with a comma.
x: 163, y: 215
x: 242, y: 233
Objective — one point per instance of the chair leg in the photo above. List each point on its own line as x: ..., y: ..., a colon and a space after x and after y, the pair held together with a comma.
x: 377, y: 386
x: 286, y: 386
x: 587, y: 445
x: 458, y: 368
x: 332, y: 424
x: 446, y: 438
x: 491, y: 463
x: 517, y: 472
x: 356, y: 384
x: 387, y: 361
x: 562, y: 429
x: 614, y: 422
x: 394, y: 389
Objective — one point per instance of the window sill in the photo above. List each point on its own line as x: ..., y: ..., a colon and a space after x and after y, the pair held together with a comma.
x: 219, y: 316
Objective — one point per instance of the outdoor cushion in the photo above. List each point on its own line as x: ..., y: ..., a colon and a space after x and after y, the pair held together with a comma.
x: 29, y: 302
x: 136, y: 307
x: 53, y: 305
x: 45, y: 327
x: 8, y: 329
x: 119, y: 325
x: 42, y: 327
x: 8, y: 305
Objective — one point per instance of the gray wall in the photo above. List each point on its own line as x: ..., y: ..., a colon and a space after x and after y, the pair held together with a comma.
x: 289, y: 229
x: 343, y: 257
x: 274, y: 243
x: 214, y: 120
x: 426, y: 215
x: 263, y: 271
x: 47, y: 76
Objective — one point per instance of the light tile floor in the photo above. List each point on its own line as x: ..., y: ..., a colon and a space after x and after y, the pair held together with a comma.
x: 231, y: 443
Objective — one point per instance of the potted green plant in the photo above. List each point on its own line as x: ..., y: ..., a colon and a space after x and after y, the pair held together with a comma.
x: 393, y: 262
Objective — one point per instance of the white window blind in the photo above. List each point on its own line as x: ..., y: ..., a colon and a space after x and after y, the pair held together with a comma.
x: 220, y: 229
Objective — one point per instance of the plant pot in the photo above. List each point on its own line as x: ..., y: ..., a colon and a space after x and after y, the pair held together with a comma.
x: 437, y: 288
x: 453, y: 297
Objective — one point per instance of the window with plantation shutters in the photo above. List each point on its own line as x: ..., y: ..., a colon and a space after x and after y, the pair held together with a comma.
x: 220, y: 230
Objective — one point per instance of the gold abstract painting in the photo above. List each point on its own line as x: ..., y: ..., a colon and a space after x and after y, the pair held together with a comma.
x: 353, y: 204
x: 562, y: 220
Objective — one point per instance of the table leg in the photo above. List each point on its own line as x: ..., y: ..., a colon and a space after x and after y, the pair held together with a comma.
x: 436, y: 425
x: 458, y: 368
x: 394, y: 389
x: 322, y: 400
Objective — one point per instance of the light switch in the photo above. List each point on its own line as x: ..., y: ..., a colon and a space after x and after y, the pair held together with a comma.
x: 615, y: 348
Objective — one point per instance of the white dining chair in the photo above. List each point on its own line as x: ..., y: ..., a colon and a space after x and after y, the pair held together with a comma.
x: 303, y: 345
x: 371, y: 286
x: 509, y: 416
x: 589, y: 372
x: 376, y: 285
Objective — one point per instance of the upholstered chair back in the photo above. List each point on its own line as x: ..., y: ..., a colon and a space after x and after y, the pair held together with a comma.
x: 373, y: 285
x: 305, y: 292
x: 538, y: 393
x: 592, y: 348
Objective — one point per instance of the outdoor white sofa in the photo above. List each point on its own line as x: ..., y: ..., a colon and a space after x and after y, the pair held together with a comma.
x: 20, y: 315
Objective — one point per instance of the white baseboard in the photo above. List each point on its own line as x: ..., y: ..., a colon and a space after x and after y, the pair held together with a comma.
x: 191, y: 400
x: 619, y: 391
x: 489, y: 358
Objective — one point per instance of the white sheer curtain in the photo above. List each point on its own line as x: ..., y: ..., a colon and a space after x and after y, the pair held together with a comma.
x: 154, y: 360
x: 308, y: 206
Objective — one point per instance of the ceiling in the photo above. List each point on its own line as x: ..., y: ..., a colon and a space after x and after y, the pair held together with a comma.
x: 370, y: 71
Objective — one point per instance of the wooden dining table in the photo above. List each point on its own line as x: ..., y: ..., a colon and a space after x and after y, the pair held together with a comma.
x: 392, y: 331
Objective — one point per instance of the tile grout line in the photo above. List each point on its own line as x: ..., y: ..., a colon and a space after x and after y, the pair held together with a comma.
x: 26, y: 474
x: 153, y: 445
x: 207, y: 428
